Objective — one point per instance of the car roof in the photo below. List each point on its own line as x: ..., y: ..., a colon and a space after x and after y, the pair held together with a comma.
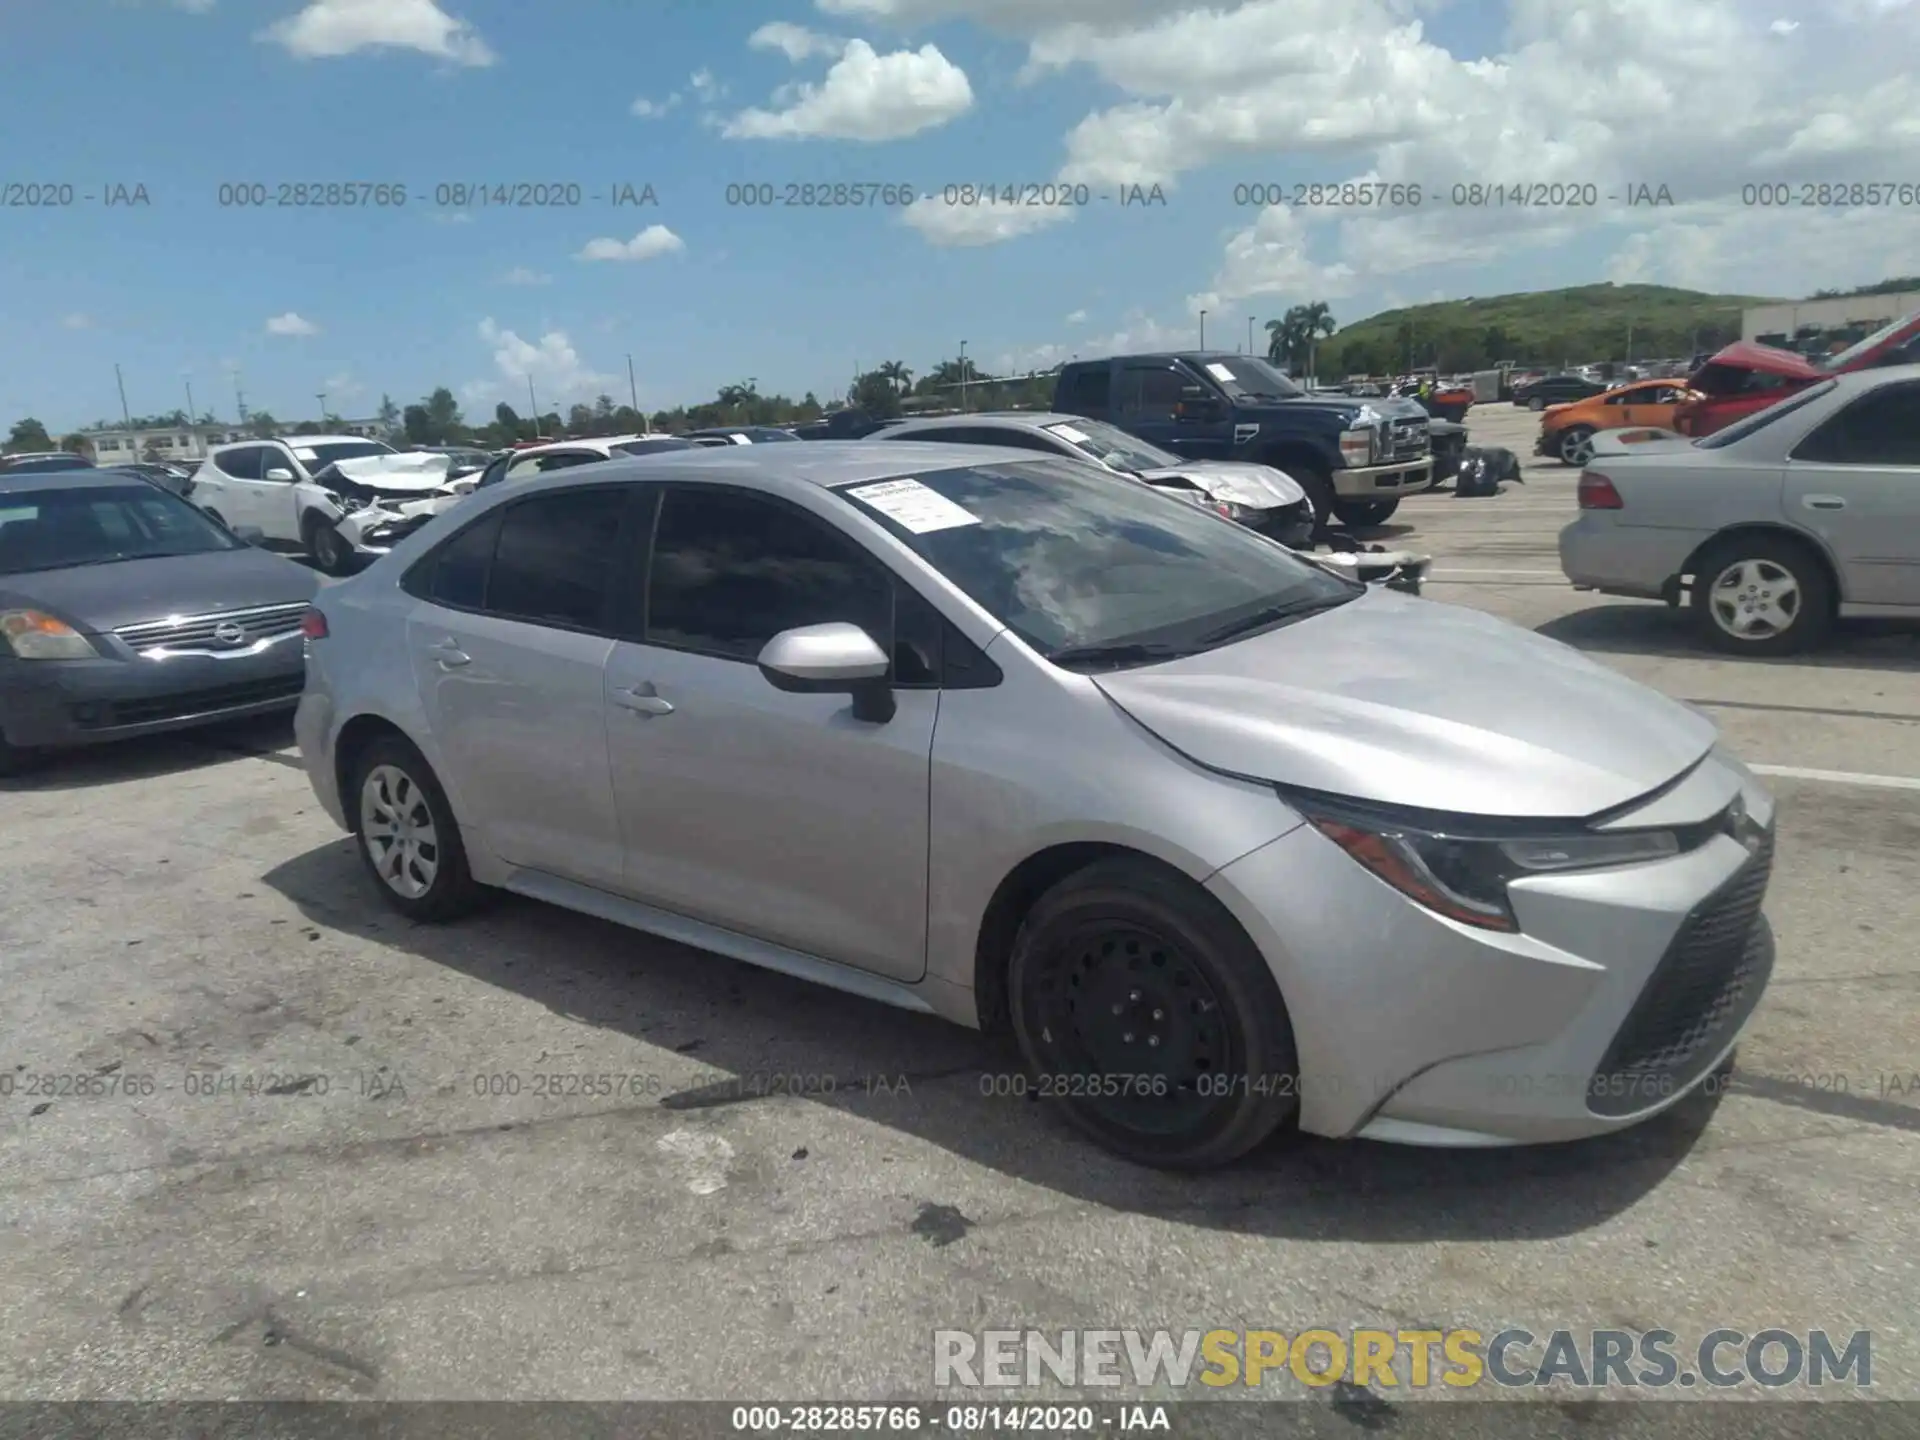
x: 294, y: 442
x: 1001, y: 419
x: 90, y: 478
x: 828, y: 464
x: 603, y: 443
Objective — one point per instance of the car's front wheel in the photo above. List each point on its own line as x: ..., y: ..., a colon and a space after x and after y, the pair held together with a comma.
x: 1150, y: 1020
x: 1762, y: 595
x: 407, y: 835
x: 1318, y: 486
x: 1365, y: 514
x: 1537, y: 403
x: 1575, y: 446
x: 328, y: 548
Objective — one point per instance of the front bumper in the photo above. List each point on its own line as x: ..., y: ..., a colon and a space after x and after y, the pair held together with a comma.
x: 1547, y: 445
x: 55, y: 704
x: 1373, y: 482
x: 1623, y: 993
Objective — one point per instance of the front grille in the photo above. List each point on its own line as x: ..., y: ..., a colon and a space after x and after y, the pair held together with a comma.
x: 150, y: 710
x: 196, y: 633
x: 1406, y: 440
x: 1697, y: 998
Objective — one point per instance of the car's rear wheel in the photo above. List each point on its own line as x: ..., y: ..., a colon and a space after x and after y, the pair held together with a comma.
x: 1575, y: 446
x: 327, y: 547
x: 407, y: 835
x: 1762, y: 595
x: 1150, y: 1020
x: 1365, y: 514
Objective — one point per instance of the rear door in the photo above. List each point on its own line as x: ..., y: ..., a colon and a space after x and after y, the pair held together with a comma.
x: 510, y: 642
x: 222, y: 484
x: 1855, y: 482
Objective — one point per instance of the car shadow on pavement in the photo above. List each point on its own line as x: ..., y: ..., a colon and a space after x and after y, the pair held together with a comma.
x: 939, y: 1083
x: 1645, y: 627
x: 149, y: 757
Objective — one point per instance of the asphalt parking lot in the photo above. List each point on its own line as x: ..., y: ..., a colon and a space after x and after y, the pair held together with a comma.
x: 332, y: 1168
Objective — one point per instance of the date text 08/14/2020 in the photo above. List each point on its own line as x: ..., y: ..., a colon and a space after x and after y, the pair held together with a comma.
x: 445, y: 195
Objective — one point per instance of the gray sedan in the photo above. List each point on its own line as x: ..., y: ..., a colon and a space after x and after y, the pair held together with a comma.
x: 1770, y: 529
x: 124, y: 611
x: 1226, y: 842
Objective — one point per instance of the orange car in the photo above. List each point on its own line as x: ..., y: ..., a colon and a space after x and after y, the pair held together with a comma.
x: 1568, y: 430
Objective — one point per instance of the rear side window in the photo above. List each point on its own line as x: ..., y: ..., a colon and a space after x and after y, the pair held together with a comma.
x: 458, y: 576
x: 1090, y: 391
x: 554, y: 561
x: 1876, y: 429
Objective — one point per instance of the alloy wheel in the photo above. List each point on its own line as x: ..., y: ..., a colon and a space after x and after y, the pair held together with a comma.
x: 396, y: 826
x: 1576, y: 446
x: 1755, y: 599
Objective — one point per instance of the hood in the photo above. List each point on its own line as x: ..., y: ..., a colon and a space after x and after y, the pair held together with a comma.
x: 104, y: 597
x: 391, y: 474
x: 1393, y: 407
x: 1743, y: 357
x: 1258, y: 487
x: 1406, y: 702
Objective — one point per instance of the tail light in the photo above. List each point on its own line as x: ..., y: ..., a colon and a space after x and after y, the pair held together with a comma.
x: 1597, y: 492
x: 313, y: 625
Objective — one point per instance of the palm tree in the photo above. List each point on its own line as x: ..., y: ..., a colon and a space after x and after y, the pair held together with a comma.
x: 1316, y: 319
x: 1277, y: 341
x: 897, y: 374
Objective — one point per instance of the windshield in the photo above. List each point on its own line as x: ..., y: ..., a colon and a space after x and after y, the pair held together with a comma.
x: 1113, y: 446
x: 317, y: 457
x: 1068, y: 559
x: 94, y: 525
x: 1833, y: 364
x: 1248, y: 375
x: 1760, y: 419
x: 650, y: 447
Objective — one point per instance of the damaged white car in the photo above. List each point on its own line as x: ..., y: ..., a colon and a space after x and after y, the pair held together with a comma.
x: 340, y: 498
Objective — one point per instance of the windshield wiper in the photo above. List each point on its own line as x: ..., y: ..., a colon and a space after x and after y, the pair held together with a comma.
x: 1273, y: 615
x: 1133, y: 652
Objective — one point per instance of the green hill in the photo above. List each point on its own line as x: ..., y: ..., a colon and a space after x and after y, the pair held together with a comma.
x: 1543, y: 327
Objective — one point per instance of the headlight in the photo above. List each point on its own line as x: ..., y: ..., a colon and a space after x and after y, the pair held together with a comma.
x: 1356, y: 446
x: 31, y: 635
x: 1465, y: 877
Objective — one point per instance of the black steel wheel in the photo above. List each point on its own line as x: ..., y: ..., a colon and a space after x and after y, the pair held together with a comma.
x: 1149, y: 1019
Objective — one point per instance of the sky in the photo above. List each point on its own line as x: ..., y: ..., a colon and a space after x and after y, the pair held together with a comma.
x: 649, y: 126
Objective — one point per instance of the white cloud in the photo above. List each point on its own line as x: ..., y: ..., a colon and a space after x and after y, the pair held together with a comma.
x: 521, y: 275
x: 451, y: 217
x: 865, y: 96
x: 1139, y: 333
x: 560, y: 376
x: 291, y: 324
x: 329, y: 28
x: 77, y: 321
x: 988, y: 221
x: 1077, y: 317
x: 705, y: 88
x: 795, y: 41
x: 342, y: 387
x: 1783, y: 27
x: 647, y: 109
x: 650, y: 243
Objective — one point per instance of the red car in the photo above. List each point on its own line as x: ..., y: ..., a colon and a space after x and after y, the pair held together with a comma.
x: 1746, y: 377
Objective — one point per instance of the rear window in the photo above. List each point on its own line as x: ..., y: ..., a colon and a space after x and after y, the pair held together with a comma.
x: 651, y: 447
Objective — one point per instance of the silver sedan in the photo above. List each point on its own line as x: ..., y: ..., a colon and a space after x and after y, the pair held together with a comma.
x: 1227, y: 842
x: 1770, y: 529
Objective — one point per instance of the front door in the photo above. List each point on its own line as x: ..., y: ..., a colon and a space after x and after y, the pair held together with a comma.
x: 271, y: 503
x: 1163, y: 403
x: 1855, y: 482
x: 510, y: 646
x: 779, y: 816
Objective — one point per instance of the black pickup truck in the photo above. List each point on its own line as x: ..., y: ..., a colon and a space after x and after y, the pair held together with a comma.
x: 1355, y: 457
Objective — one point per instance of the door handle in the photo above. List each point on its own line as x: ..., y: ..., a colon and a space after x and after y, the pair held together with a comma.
x: 450, y: 656
x: 642, y: 700
x: 1824, y: 502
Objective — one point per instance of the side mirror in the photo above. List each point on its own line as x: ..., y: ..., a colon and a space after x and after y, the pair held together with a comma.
x: 279, y: 472
x: 832, y: 659
x: 251, y: 534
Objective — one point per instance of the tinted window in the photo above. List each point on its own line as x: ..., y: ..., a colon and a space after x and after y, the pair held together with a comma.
x: 1090, y: 390
x: 460, y: 570
x: 1065, y: 558
x: 241, y: 464
x: 494, y: 473
x: 1878, y: 429
x: 52, y: 529
x: 654, y: 446
x: 554, y: 560
x: 730, y: 571
x: 1152, y: 392
x: 272, y: 457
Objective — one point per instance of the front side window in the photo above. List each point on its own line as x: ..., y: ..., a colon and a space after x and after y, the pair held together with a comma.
x: 1068, y: 560
x: 554, y: 561
x: 731, y: 570
x: 241, y: 464
x: 57, y: 529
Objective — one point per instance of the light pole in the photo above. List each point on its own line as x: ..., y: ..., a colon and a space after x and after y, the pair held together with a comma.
x: 1203, y: 329
x: 321, y: 396
x: 1250, y: 334
x: 963, y: 377
x: 633, y: 392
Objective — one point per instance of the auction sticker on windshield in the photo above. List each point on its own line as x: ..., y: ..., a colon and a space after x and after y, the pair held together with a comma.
x: 913, y: 506
x: 1069, y: 434
x: 1221, y: 373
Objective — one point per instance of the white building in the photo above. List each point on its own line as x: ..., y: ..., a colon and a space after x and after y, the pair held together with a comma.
x: 193, y: 442
x: 1866, y: 312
